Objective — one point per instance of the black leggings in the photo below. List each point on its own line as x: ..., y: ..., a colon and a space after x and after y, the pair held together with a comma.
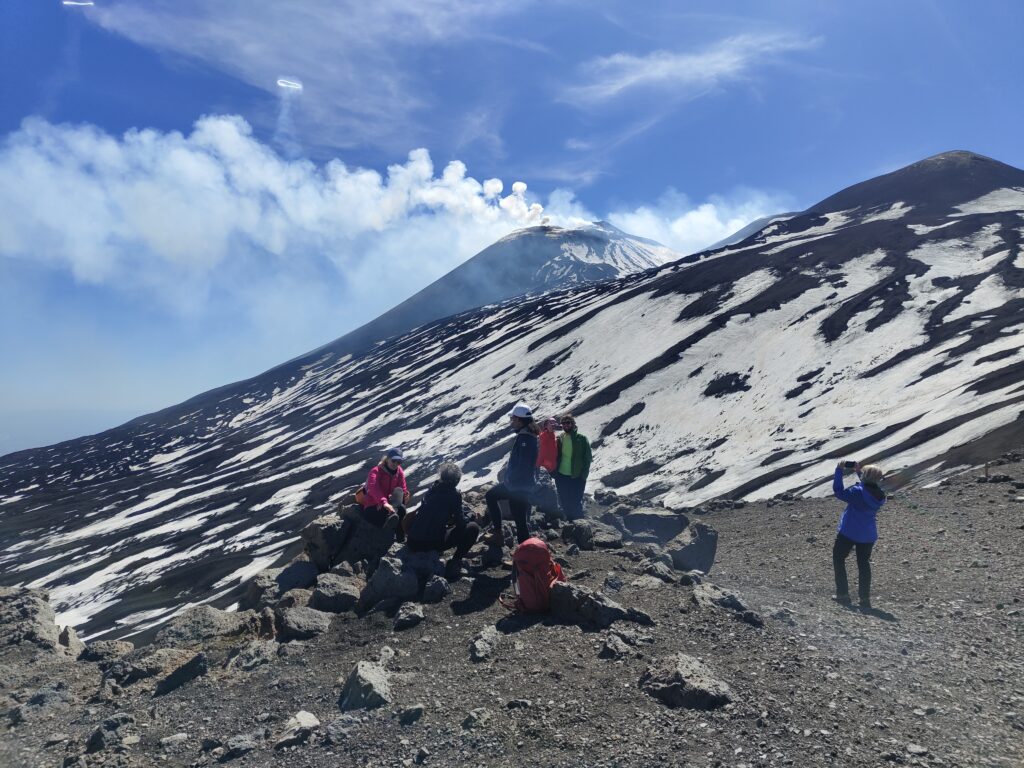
x: 517, y: 502
x: 452, y: 540
x: 377, y: 515
x: 840, y: 551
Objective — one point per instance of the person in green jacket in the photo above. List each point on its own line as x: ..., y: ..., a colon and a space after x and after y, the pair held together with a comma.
x: 573, y: 466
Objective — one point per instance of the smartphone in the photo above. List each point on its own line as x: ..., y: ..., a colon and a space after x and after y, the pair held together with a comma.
x: 849, y: 464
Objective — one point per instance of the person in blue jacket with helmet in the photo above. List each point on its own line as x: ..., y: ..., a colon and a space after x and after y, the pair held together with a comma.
x: 858, y: 528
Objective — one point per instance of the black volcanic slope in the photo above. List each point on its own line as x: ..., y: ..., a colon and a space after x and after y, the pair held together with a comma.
x: 886, y: 329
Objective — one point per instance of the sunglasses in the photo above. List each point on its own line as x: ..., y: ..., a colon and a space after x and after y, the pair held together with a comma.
x: 568, y: 423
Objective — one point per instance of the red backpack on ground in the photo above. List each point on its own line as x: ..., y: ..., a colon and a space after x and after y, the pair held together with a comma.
x: 533, y: 573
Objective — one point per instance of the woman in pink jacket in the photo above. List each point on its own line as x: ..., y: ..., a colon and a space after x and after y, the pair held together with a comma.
x: 381, y: 484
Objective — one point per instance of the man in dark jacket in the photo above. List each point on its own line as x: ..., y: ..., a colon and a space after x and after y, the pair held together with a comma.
x: 572, y: 468
x: 442, y: 522
x: 520, y: 478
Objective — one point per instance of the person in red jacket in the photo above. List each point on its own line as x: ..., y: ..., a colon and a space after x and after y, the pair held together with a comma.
x: 381, y: 484
x: 547, y: 455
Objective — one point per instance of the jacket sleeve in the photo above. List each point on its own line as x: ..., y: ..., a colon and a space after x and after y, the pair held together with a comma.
x: 587, y: 456
x: 458, y: 516
x: 373, y: 490
x: 532, y: 451
x: 843, y: 494
x: 402, y: 483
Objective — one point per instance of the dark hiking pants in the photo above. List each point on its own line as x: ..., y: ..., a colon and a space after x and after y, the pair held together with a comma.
x: 377, y: 515
x: 840, y: 551
x: 570, y: 495
x: 517, y: 502
x: 452, y: 540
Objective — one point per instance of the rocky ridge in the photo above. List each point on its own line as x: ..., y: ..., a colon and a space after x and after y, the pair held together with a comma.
x: 644, y: 659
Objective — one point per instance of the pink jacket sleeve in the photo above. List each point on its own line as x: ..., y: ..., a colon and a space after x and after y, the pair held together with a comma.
x: 375, y: 495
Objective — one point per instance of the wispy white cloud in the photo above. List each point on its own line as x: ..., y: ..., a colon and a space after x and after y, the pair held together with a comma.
x: 687, y: 227
x: 352, y: 57
x: 683, y: 75
x: 184, y: 216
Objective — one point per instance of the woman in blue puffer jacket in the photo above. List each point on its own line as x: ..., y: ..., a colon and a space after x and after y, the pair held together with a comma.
x: 857, y: 528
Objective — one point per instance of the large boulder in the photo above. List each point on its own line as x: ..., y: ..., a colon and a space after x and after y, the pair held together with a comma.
x: 105, y: 652
x: 580, y: 533
x: 545, y: 496
x: 423, y: 564
x: 253, y: 654
x: 26, y: 618
x: 335, y: 593
x: 199, y: 623
x: 323, y: 539
x: 145, y: 664
x: 302, y: 623
x: 389, y: 582
x: 652, y: 525
x: 579, y: 605
x: 694, y: 549
x: 683, y: 681
x: 268, y: 586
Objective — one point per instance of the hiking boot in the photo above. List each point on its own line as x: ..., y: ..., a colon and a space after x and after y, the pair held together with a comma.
x: 865, y: 604
x: 390, y: 522
x: 843, y: 600
x: 494, y: 539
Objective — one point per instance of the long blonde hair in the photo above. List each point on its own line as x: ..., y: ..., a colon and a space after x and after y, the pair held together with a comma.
x: 872, y: 474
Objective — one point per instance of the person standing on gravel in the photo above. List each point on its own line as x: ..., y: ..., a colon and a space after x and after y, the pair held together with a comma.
x: 384, y: 479
x: 572, y: 468
x: 857, y: 528
x: 520, y: 478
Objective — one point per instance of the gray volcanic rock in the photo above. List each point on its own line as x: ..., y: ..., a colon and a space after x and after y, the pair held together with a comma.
x: 106, y: 651
x: 297, y: 730
x: 302, y: 623
x: 335, y: 593
x: 389, y: 582
x: 254, y: 654
x: 195, y: 667
x: 42, y: 702
x: 653, y: 524
x: 27, y: 618
x: 436, y: 589
x: 683, y: 681
x: 694, y: 549
x: 368, y: 686
x: 575, y: 603
x: 203, y: 622
x: 116, y: 731
x: 323, y: 539
x: 146, y: 663
x: 409, y: 615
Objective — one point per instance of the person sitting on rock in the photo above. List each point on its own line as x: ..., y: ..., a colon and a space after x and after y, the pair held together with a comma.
x: 381, y: 484
x: 572, y: 468
x: 520, y: 478
x: 442, y: 522
x: 857, y: 528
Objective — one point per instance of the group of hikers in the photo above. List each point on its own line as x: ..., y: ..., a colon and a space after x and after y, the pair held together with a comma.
x: 442, y: 522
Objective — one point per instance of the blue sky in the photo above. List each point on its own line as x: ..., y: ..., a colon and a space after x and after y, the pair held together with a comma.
x: 171, y: 220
